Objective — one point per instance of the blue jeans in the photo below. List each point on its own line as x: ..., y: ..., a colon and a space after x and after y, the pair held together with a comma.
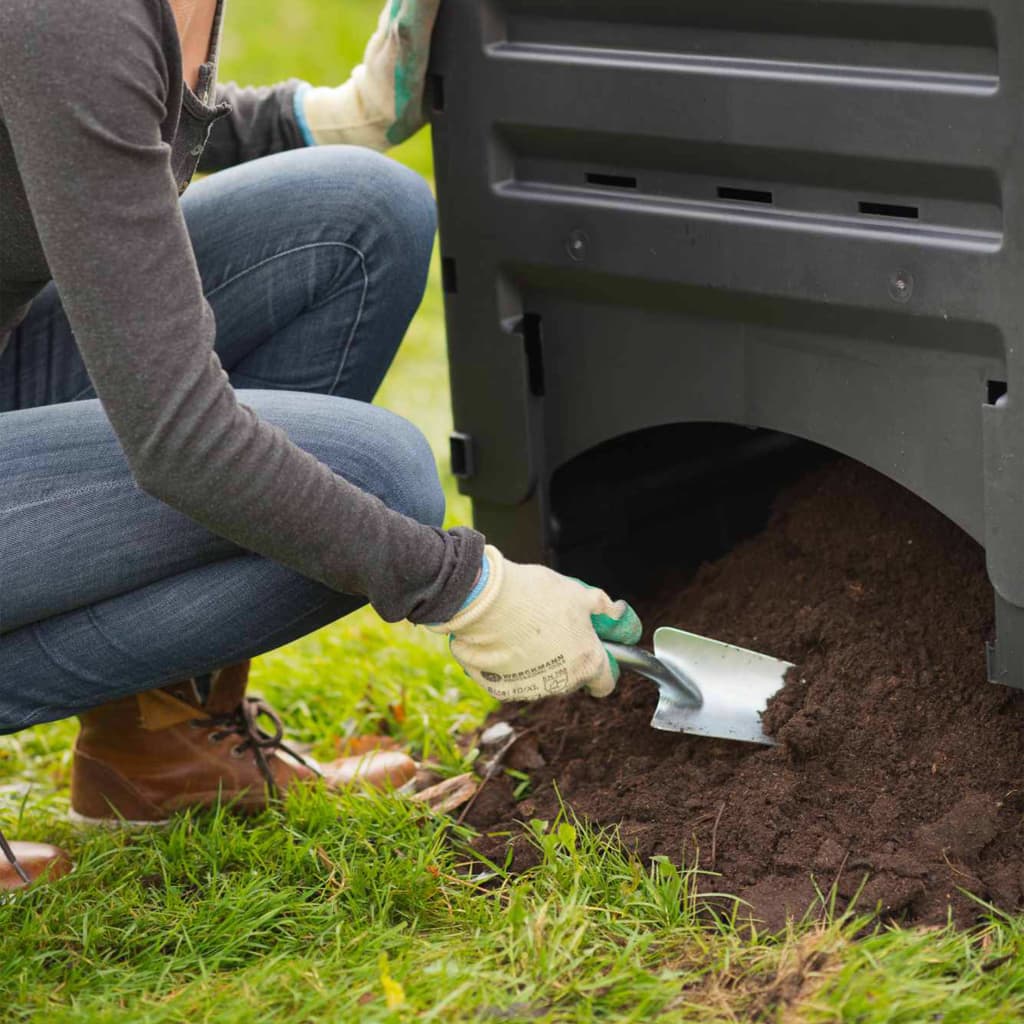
x: 314, y: 262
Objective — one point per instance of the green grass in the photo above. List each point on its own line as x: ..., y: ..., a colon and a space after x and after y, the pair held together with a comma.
x: 354, y: 908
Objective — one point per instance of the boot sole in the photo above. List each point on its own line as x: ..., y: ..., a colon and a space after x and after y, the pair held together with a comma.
x: 81, y: 821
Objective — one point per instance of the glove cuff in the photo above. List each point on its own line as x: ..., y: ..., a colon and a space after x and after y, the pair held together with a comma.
x: 481, y: 582
x: 349, y: 114
x: 482, y: 603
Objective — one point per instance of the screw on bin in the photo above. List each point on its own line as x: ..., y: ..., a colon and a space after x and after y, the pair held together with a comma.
x: 901, y: 286
x: 576, y: 245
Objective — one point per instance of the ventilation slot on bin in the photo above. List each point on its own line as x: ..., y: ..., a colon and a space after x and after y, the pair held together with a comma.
x: 463, y: 461
x: 890, y: 210
x: 611, y: 180
x: 532, y: 336
x: 437, y: 93
x: 996, y: 390
x: 745, y: 195
x: 449, y: 277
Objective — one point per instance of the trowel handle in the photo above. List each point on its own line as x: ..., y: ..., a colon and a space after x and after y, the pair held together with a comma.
x: 647, y: 665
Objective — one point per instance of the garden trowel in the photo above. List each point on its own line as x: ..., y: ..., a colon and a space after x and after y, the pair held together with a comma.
x: 706, y: 687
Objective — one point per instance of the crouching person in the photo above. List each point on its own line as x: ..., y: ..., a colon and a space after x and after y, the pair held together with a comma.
x: 191, y: 473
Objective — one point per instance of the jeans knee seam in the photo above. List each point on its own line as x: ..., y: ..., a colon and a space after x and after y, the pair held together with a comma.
x: 280, y: 255
x: 303, y: 248
x: 55, y: 660
x: 109, y: 485
x: 90, y: 614
x: 355, y: 324
x: 39, y: 714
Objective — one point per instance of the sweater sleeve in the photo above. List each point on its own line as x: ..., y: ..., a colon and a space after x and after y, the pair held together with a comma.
x: 88, y: 145
x: 261, y: 121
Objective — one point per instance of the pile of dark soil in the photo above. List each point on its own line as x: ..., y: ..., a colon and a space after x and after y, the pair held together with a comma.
x: 900, y: 768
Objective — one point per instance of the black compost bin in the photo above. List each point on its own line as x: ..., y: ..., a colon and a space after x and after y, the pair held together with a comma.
x: 679, y: 235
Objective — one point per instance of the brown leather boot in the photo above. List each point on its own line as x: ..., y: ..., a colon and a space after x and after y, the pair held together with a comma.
x: 140, y: 759
x: 24, y: 864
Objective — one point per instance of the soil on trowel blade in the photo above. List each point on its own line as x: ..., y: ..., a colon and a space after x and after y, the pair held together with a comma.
x: 900, y: 770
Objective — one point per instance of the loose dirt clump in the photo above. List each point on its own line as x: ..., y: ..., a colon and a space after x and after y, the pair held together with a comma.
x: 899, y: 778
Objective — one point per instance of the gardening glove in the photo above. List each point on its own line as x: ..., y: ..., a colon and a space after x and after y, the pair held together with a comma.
x: 381, y: 104
x: 526, y: 632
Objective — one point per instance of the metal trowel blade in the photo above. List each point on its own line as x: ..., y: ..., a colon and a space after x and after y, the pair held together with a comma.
x: 735, y: 684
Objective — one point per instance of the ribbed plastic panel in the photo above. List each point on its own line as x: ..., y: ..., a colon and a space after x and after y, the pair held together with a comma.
x: 799, y: 215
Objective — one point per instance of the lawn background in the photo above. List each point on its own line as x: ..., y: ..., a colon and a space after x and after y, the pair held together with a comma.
x: 352, y: 908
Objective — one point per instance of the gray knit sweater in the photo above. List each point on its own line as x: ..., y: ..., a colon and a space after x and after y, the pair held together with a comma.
x: 98, y: 136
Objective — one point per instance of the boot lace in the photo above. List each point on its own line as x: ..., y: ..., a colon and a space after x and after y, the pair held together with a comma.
x: 9, y: 854
x: 244, y: 722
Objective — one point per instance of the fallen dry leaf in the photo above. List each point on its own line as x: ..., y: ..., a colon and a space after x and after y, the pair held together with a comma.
x: 448, y: 795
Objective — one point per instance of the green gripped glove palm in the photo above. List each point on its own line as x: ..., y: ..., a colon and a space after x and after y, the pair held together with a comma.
x: 530, y: 633
x: 381, y: 104
x: 626, y: 629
